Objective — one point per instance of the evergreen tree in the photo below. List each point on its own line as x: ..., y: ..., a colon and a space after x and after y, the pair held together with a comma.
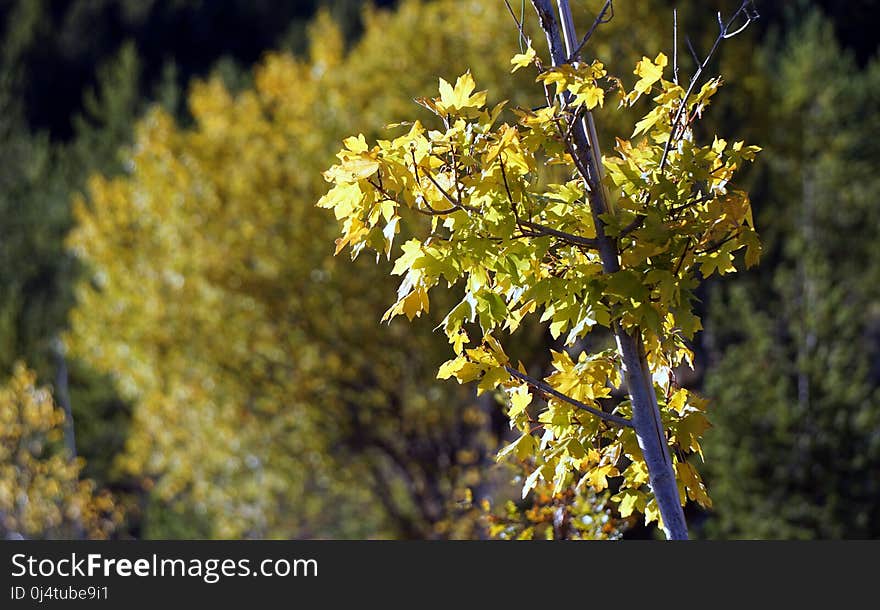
x: 795, y: 451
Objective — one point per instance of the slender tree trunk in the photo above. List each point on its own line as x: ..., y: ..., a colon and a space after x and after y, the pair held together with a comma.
x: 646, y: 413
x: 62, y: 395
x: 62, y: 398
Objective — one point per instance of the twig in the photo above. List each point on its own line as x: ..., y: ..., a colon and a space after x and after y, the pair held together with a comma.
x: 635, y: 225
x: 509, y: 195
x: 457, y: 205
x: 697, y: 60
x: 639, y: 220
x: 455, y: 175
x: 547, y: 389
x: 717, y: 245
x: 519, y: 26
x: 723, y: 34
x: 673, y: 211
x: 383, y: 191
x: 684, y: 252
x: 575, y: 240
x: 446, y: 194
x: 600, y: 19
x: 675, y: 45
x: 575, y: 117
x: 537, y: 229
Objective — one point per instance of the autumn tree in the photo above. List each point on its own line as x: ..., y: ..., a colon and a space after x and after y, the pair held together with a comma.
x: 621, y: 243
x: 42, y: 493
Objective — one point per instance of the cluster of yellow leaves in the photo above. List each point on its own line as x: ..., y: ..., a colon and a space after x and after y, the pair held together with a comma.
x: 41, y: 492
x: 581, y: 80
x: 518, y: 245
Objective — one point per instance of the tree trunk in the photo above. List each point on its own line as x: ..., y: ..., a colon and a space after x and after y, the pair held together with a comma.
x: 646, y: 413
x: 62, y: 398
x: 62, y: 395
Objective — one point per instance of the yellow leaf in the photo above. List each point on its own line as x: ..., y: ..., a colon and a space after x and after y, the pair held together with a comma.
x: 458, y: 341
x: 588, y: 94
x: 523, y: 446
x: 492, y: 378
x: 415, y: 303
x: 496, y: 350
x: 629, y: 502
x: 353, y: 169
x: 460, y: 367
x: 678, y: 401
x: 412, y: 251
x: 523, y: 60
x: 652, y: 513
x: 649, y: 72
x: 520, y: 399
x: 356, y: 144
x: 460, y: 97
x: 451, y: 367
x: 598, y: 477
x: 696, y: 489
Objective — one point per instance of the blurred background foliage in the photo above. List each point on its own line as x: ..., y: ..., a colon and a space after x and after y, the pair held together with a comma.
x: 163, y: 271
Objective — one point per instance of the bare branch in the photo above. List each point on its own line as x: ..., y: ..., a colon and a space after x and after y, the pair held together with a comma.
x: 675, y: 45
x: 547, y: 389
x: 697, y: 60
x: 600, y: 19
x: 519, y: 27
x: 747, y: 8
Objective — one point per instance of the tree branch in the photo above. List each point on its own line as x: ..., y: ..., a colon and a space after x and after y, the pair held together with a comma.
x: 519, y: 27
x: 747, y: 8
x: 574, y: 240
x: 675, y: 45
x: 547, y: 389
x: 600, y: 19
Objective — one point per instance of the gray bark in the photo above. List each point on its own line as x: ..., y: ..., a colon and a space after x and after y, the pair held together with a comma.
x: 62, y: 398
x: 646, y: 413
x: 62, y: 395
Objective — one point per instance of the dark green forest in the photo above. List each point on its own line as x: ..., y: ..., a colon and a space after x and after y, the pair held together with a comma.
x: 363, y: 440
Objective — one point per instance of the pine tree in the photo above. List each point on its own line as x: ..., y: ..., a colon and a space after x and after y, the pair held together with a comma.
x: 795, y: 451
